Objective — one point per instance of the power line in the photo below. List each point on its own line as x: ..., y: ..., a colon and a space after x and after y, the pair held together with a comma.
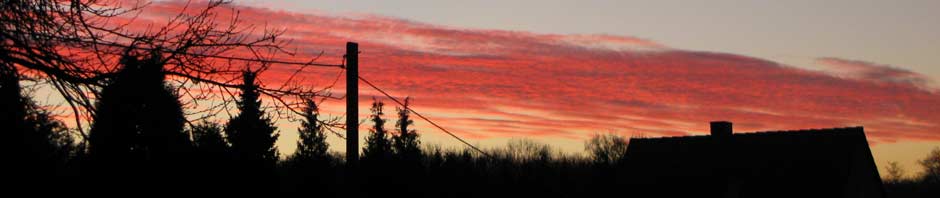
x: 121, y: 45
x: 424, y: 118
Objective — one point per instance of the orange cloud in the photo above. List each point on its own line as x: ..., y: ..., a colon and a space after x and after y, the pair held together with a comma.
x: 493, y: 83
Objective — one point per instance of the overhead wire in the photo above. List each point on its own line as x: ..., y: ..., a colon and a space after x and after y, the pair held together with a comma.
x: 424, y: 118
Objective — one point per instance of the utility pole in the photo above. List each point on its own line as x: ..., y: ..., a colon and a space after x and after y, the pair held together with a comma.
x: 352, y: 104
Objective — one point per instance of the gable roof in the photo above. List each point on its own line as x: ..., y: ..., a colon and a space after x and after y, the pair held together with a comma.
x: 827, y: 162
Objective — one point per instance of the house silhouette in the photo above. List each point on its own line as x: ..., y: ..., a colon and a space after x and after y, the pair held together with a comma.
x: 834, y: 162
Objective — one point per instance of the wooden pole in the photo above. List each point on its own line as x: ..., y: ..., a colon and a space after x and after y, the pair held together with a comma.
x: 352, y: 104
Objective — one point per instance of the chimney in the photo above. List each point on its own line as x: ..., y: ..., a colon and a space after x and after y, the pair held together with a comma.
x: 721, y: 129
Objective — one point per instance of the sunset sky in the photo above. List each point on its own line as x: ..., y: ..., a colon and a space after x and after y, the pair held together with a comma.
x: 558, y: 71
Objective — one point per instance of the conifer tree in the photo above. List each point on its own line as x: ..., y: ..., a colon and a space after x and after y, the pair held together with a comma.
x: 406, y: 143
x: 137, y: 140
x: 312, y: 145
x: 138, y: 117
x: 378, y: 146
x: 251, y: 133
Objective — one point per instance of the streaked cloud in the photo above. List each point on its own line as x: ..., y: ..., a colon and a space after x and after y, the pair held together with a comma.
x: 864, y: 70
x: 493, y: 83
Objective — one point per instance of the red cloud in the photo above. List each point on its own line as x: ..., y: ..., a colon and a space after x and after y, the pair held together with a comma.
x: 492, y: 83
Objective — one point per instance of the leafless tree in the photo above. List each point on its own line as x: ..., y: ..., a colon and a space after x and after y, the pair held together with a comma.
x: 895, y: 173
x: 607, y: 148
x: 74, y: 45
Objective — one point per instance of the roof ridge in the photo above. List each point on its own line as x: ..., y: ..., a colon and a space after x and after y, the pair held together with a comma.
x: 834, y: 129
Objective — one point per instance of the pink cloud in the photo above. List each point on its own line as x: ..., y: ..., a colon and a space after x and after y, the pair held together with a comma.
x: 864, y: 70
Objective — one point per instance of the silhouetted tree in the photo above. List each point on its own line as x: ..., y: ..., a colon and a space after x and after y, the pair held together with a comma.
x: 926, y: 184
x: 605, y: 152
x: 252, y: 136
x: 138, y: 116
x: 606, y: 148
x: 406, y: 143
x: 378, y: 147
x: 377, y: 155
x: 312, y: 145
x: 930, y: 180
x: 251, y: 133
x: 310, y: 166
x: 36, y: 147
x: 894, y: 174
x: 138, y: 127
x: 209, y: 141
x: 526, y: 150
x: 408, y: 170
x: 51, y: 141
x: 213, y: 157
x: 931, y: 165
x: 13, y: 117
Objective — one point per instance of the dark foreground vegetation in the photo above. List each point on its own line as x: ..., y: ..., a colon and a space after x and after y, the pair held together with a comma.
x: 925, y: 184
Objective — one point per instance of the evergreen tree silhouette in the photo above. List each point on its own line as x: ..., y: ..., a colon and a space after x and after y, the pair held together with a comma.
x: 377, y: 155
x: 138, y: 124
x: 251, y: 133
x: 408, y: 154
x: 406, y: 143
x: 378, y: 146
x: 310, y: 165
x: 312, y: 145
